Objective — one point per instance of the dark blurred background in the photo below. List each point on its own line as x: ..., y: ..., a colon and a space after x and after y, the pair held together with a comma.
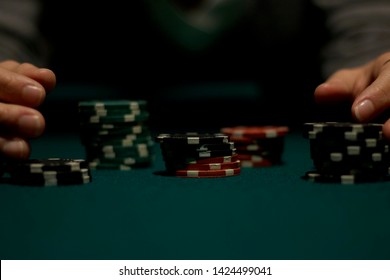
x: 260, y: 68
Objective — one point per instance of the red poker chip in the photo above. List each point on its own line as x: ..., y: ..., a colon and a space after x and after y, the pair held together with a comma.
x: 242, y: 140
x: 212, y: 166
x: 208, y: 173
x: 251, y: 163
x: 249, y: 148
x: 250, y: 157
x: 254, y: 161
x: 256, y: 131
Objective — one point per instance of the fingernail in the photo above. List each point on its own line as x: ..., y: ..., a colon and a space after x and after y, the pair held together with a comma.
x: 364, y: 110
x: 31, y: 125
x: 33, y: 94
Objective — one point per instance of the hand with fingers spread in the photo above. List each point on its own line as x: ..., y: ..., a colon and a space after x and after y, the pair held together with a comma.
x: 366, y: 87
x: 23, y: 87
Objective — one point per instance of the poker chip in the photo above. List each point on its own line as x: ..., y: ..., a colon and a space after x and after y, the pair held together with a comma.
x: 48, y: 164
x: 135, y: 129
x: 112, y: 104
x: 256, y: 163
x: 349, y: 148
x: 53, y: 178
x: 256, y: 131
x: 334, y: 127
x: 206, y: 166
x: 199, y: 155
x: 223, y: 159
x: 110, y: 166
x: 315, y: 176
x: 121, y: 118
x: 125, y: 142
x: 48, y: 172
x: 198, y: 147
x: 112, y: 138
x: 258, y: 146
x: 347, y: 153
x: 208, y: 173
x: 360, y: 166
x: 250, y: 147
x: 115, y: 134
x: 342, y: 131
x: 193, y: 138
x: 137, y: 148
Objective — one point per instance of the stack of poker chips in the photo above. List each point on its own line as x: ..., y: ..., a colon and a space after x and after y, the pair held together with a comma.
x: 48, y: 172
x: 199, y: 155
x: 258, y: 146
x: 346, y: 152
x: 115, y: 134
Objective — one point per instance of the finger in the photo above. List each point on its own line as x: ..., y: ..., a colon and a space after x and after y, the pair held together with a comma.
x: 15, y: 148
x: 21, y: 121
x: 343, y: 85
x: 44, y: 76
x: 375, y: 98
x: 20, y: 89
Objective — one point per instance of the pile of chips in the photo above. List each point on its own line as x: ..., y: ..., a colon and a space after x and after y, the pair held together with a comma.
x: 347, y: 153
x: 48, y: 172
x: 115, y: 134
x: 258, y: 146
x: 199, y: 155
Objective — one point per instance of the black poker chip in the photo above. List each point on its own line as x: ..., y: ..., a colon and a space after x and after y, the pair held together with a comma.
x: 193, y: 138
x: 346, y: 131
x: 333, y: 127
x: 343, y: 135
x: 52, y: 178
x: 347, y: 153
x: 345, y: 158
x: 364, y: 167
x: 47, y: 164
x: 198, y: 155
x: 356, y: 178
x: 48, y: 172
x: 182, y: 147
x: 365, y: 142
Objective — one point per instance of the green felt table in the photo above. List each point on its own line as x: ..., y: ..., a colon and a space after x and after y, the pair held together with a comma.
x: 264, y: 213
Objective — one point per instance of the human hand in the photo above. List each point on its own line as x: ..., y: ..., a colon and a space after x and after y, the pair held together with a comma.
x: 367, y: 87
x: 23, y: 88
